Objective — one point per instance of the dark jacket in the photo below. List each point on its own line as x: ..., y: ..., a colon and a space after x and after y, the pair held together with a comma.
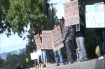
x: 81, y: 33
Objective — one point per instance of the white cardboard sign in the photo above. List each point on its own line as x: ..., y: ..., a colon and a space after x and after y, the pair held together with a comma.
x: 34, y: 55
x: 95, y: 16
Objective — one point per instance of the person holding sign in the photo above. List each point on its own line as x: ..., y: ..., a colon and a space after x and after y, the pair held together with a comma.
x: 58, y: 55
x: 43, y: 54
x: 100, y: 35
x: 66, y: 38
x: 40, y: 53
x: 80, y: 34
x: 100, y: 38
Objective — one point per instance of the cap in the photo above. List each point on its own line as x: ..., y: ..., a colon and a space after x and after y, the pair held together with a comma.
x: 62, y: 19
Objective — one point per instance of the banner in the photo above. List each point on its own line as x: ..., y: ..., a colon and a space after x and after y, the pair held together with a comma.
x: 38, y: 42
x: 57, y: 38
x: 47, y: 42
x: 95, y: 16
x: 52, y: 39
x: 34, y: 55
x: 71, y: 13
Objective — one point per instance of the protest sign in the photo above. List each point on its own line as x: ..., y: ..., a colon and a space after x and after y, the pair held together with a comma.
x: 34, y: 55
x: 52, y: 39
x: 71, y: 13
x: 95, y: 16
x: 38, y: 41
x: 47, y: 42
x: 57, y: 38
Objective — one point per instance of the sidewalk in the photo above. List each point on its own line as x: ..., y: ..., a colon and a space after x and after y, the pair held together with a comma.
x: 90, y: 64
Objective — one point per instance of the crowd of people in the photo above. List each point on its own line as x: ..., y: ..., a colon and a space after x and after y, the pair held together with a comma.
x: 80, y: 36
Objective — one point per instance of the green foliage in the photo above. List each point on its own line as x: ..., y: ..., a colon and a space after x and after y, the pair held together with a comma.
x: 30, y: 47
x: 1, y: 62
x: 4, y: 25
x: 11, y: 62
x: 17, y: 14
x: 21, y: 12
x: 51, y: 20
x: 22, y: 59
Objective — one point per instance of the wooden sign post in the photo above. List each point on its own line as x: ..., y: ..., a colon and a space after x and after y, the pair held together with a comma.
x: 95, y: 16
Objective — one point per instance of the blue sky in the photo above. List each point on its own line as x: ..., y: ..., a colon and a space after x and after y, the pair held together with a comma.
x: 14, y: 42
x: 59, y: 7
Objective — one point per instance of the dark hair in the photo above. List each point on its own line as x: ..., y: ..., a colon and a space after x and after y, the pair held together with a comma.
x: 62, y: 19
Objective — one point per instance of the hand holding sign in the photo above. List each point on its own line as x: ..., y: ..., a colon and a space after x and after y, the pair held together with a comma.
x: 52, y: 39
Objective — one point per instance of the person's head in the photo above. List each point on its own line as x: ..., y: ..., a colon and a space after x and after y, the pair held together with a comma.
x: 62, y: 20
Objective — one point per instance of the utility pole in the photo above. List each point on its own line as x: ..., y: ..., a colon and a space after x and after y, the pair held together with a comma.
x: 52, y: 16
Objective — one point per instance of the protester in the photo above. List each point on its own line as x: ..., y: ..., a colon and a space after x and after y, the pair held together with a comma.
x: 58, y: 55
x: 100, y: 35
x: 80, y: 34
x: 67, y: 39
x: 43, y: 57
x: 43, y: 54
x: 100, y: 38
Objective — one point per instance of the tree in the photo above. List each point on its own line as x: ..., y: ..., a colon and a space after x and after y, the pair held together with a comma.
x: 4, y: 25
x: 52, y: 19
x: 17, y: 14
x: 1, y: 62
x: 22, y: 59
x: 11, y: 61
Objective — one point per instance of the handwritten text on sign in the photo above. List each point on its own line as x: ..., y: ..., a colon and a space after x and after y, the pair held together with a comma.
x: 95, y: 16
x: 52, y: 39
x: 57, y: 38
x: 71, y: 13
x: 47, y: 40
